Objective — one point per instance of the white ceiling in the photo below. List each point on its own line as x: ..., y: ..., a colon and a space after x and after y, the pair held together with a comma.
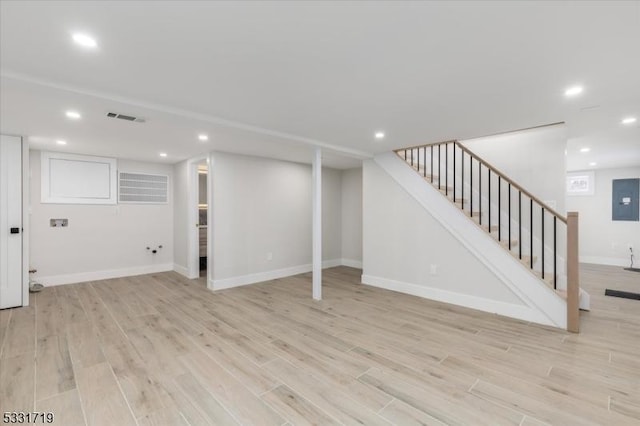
x: 39, y: 111
x: 274, y: 78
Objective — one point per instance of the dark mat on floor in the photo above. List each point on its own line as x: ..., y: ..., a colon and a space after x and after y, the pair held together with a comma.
x: 632, y: 269
x: 623, y: 294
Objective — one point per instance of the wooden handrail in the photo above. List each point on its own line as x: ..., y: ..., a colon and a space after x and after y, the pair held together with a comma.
x: 573, y: 274
x: 514, y: 184
x: 494, y: 170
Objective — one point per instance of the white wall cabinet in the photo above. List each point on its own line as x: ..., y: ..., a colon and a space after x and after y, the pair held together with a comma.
x: 78, y: 179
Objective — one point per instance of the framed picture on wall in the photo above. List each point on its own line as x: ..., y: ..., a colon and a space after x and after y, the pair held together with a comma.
x: 581, y: 183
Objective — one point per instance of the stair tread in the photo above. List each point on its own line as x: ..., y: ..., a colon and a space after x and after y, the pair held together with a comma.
x: 421, y: 170
x: 548, y: 278
x: 527, y: 258
x: 458, y: 199
x: 476, y: 219
x: 505, y: 243
x: 475, y: 215
x: 428, y: 177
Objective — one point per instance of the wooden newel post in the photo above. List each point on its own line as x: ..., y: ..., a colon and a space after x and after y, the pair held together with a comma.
x: 573, y: 274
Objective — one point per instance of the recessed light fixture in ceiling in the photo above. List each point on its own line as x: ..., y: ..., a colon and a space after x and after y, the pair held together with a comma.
x: 74, y: 115
x: 163, y: 154
x: 379, y: 135
x: 629, y: 120
x: 203, y: 137
x: 573, y: 91
x: 61, y: 142
x: 585, y: 149
x: 593, y: 163
x: 84, y: 40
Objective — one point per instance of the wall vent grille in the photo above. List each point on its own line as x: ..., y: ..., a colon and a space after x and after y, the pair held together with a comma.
x: 140, y: 188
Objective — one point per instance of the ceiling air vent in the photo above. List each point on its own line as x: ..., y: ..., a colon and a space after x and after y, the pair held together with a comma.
x: 125, y: 117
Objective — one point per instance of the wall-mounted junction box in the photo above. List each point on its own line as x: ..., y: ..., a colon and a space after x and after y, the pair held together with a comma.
x: 57, y: 223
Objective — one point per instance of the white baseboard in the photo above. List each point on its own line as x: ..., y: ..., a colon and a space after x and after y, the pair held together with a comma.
x: 182, y: 270
x: 80, y: 277
x: 258, y: 277
x: 268, y: 275
x: 330, y: 263
x: 352, y: 263
x: 522, y: 312
x: 613, y: 261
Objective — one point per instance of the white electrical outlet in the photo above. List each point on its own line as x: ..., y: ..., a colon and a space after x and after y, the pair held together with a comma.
x: 269, y: 257
x: 433, y: 269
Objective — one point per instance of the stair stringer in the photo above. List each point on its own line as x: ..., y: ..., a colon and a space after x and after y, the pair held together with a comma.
x: 584, y: 297
x: 544, y: 305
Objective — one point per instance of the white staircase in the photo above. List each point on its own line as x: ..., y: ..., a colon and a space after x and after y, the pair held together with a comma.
x: 519, y: 238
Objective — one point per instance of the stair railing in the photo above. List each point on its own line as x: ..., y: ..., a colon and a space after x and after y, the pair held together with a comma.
x: 459, y: 162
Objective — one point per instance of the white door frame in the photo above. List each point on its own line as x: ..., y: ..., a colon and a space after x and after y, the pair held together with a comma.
x: 26, y: 215
x: 193, y: 233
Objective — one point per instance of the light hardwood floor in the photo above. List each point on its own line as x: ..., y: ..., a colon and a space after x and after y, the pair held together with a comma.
x: 161, y: 350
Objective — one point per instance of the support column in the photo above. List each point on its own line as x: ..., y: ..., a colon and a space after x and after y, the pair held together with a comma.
x: 317, y: 223
x: 573, y: 275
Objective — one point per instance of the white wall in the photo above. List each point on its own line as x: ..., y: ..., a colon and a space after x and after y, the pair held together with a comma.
x: 331, y: 214
x: 180, y: 202
x: 535, y: 159
x: 603, y: 240
x: 263, y: 206
x: 418, y: 242
x: 352, y: 217
x: 101, y: 241
x: 262, y: 218
x: 402, y: 240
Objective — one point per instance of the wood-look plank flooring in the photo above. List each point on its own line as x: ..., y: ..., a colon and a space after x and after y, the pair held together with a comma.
x: 162, y: 350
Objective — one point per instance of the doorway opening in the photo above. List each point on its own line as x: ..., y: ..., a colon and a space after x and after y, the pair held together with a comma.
x: 199, y: 220
x: 203, y: 211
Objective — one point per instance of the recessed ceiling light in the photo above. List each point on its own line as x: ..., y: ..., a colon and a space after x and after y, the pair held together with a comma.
x: 629, y: 120
x: 84, y: 40
x: 163, y: 154
x: 573, y: 91
x: 203, y: 137
x: 74, y: 115
x: 61, y: 142
x: 593, y: 163
x: 379, y: 135
x: 585, y: 149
